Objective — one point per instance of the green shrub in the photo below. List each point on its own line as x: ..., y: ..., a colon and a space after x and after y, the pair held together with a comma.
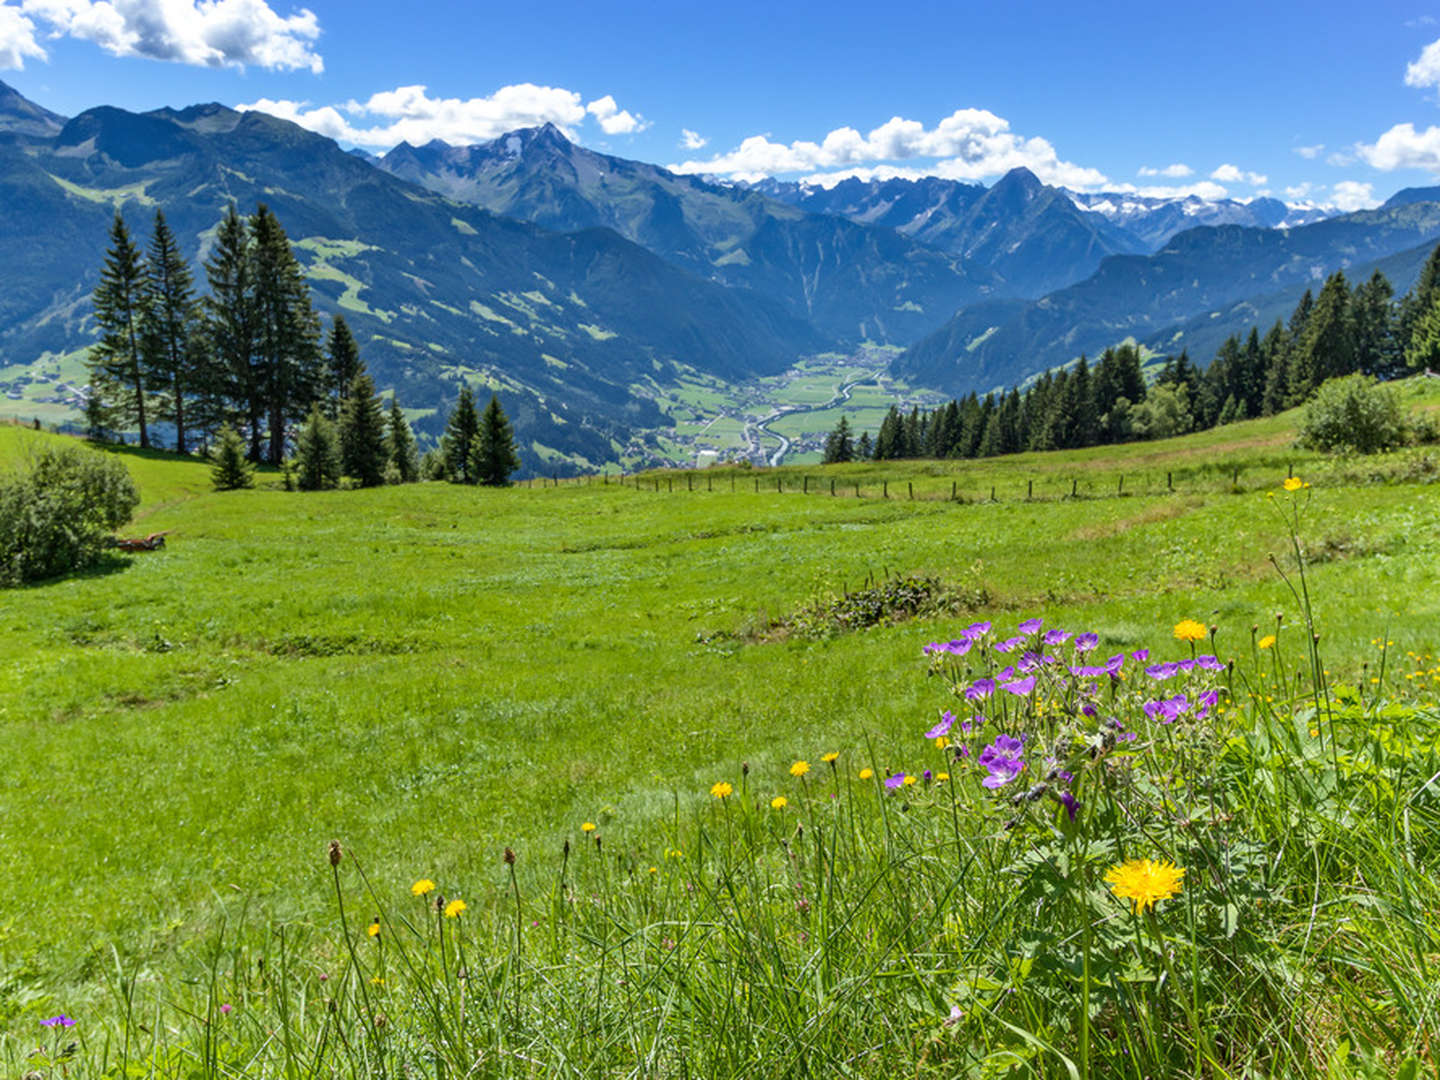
x: 1353, y: 414
x: 56, y: 512
x: 229, y: 471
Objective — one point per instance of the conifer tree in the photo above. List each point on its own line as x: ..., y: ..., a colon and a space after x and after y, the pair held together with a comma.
x: 839, y: 446
x: 400, y: 449
x: 493, y: 455
x: 122, y: 302
x: 1376, y: 333
x: 1329, y: 338
x: 169, y: 323
x: 864, y: 450
x: 317, y: 453
x: 231, y: 321
x: 459, y: 439
x: 342, y: 361
x: 1276, y: 350
x: 362, y: 433
x: 287, y: 330
x: 1418, y: 301
x: 229, y: 470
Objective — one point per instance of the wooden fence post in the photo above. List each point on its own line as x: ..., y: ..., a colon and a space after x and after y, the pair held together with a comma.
x: 885, y: 488
x: 690, y: 480
x: 709, y: 482
x: 1074, y: 484
x: 832, y: 485
x: 911, y: 485
x: 778, y: 488
x: 805, y: 489
x: 1169, y: 481
x: 1120, y: 489
x: 992, y: 492
x: 952, y: 491
x: 757, y: 485
x: 1030, y: 490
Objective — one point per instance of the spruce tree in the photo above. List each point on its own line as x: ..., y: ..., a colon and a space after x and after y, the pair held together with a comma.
x: 1376, y: 337
x: 839, y: 446
x: 287, y: 330
x: 890, y: 442
x: 229, y: 470
x: 317, y: 453
x: 459, y: 439
x: 1275, y: 351
x: 342, y: 361
x: 1418, y: 302
x: 1329, y: 337
x: 231, y: 322
x: 400, y: 448
x: 864, y: 450
x: 493, y: 455
x: 118, y: 365
x: 362, y: 433
x: 169, y: 323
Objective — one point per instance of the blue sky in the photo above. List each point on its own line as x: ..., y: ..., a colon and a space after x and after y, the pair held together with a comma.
x: 1307, y: 102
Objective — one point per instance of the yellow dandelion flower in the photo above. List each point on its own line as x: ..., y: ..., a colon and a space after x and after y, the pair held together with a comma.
x: 779, y: 802
x: 1293, y: 483
x: 422, y: 887
x: 373, y: 930
x: 1266, y: 642
x: 941, y: 742
x: 829, y: 758
x: 376, y: 980
x: 1190, y: 630
x: 674, y: 853
x: 1144, y: 882
x: 909, y: 780
x: 941, y: 777
x: 800, y: 768
x: 454, y: 908
x: 654, y: 869
x: 1314, y: 733
x: 589, y: 826
x: 866, y: 774
x: 722, y: 790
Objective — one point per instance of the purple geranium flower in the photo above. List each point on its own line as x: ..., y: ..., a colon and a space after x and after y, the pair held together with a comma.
x: 1161, y: 672
x: 943, y: 727
x: 1029, y: 662
x: 58, y: 1021
x: 1003, y: 760
x: 975, y: 630
x: 1031, y: 626
x: 1056, y: 637
x: 1114, y: 664
x: 1089, y: 710
x: 927, y: 776
x: 980, y: 688
x: 1019, y: 687
x: 1071, y: 804
x: 1185, y: 665
x: 898, y: 780
x: 1206, y: 702
x: 962, y: 750
x: 1009, y: 644
x: 1209, y: 663
x: 1086, y: 642
x: 1087, y: 671
x: 1141, y: 655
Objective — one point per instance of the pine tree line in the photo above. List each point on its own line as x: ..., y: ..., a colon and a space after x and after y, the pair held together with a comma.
x: 247, y: 357
x: 1340, y: 332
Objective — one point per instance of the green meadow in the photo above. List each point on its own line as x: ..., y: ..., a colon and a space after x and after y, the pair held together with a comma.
x: 434, y: 674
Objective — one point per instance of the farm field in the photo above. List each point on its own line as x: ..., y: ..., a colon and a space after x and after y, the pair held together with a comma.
x: 433, y: 674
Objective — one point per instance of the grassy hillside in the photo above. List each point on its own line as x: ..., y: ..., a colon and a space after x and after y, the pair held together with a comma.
x: 433, y: 673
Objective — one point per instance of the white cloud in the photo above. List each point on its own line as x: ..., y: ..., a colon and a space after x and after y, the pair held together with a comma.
x: 1299, y: 191
x: 1230, y: 174
x: 1340, y: 159
x: 17, y: 39
x: 1351, y: 195
x: 205, y: 33
x: 970, y: 143
x: 614, y: 120
x: 690, y: 140
x: 1177, y: 171
x: 410, y: 114
x: 1402, y: 147
x: 1425, y: 71
x: 1201, y: 189
x: 1310, y: 153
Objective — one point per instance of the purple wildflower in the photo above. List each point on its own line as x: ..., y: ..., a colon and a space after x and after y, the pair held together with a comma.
x: 943, y: 727
x: 898, y: 780
x: 1009, y: 644
x: 1089, y: 710
x: 1086, y: 642
x: 1003, y: 760
x: 1071, y: 804
x: 1206, y: 702
x: 1019, y: 687
x: 58, y: 1021
x: 927, y: 776
x: 980, y: 688
x: 226, y: 1008
x: 1029, y: 662
x: 1140, y: 655
x: 962, y: 750
x: 1056, y: 636
x: 975, y: 630
x: 1209, y: 663
x: 1185, y: 665
x: 1161, y: 672
x: 1114, y: 664
x: 1031, y: 626
x: 1126, y: 736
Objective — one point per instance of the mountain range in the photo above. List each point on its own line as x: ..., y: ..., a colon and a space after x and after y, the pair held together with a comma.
x: 579, y: 284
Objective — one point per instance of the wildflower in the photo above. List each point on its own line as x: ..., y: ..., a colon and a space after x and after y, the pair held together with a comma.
x: 225, y: 1008
x: 1009, y: 644
x: 1209, y: 663
x: 830, y: 758
x: 653, y: 870
x: 1293, y: 483
x: 893, y: 782
x: 1071, y: 804
x: 373, y: 930
x: 1144, y: 882
x: 589, y: 826
x: 941, y: 777
x: 1190, y: 630
x: 58, y: 1021
x: 422, y: 887
x: 908, y: 780
x: 1267, y: 641
x: 454, y: 908
x: 958, y: 647
x: 1140, y: 655
x: 800, y: 768
x: 1057, y: 637
x: 779, y: 802
x: 1031, y: 626
x: 1086, y: 642
x: 1161, y: 672
x: 1019, y: 687
x: 1002, y: 760
x: 980, y: 688
x: 866, y: 774
x: 975, y: 630
x: 942, y: 742
x: 376, y: 980
x: 943, y: 727
x: 722, y: 790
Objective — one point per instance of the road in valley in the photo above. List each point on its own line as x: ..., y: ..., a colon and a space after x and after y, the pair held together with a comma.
x: 756, y: 430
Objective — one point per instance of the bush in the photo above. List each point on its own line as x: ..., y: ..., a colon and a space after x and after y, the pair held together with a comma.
x: 229, y: 471
x: 56, y: 512
x: 1353, y: 414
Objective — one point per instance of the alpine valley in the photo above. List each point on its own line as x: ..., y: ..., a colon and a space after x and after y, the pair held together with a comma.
x: 619, y: 308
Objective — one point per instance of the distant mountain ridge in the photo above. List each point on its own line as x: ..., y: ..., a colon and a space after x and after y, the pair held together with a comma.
x: 20, y: 116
